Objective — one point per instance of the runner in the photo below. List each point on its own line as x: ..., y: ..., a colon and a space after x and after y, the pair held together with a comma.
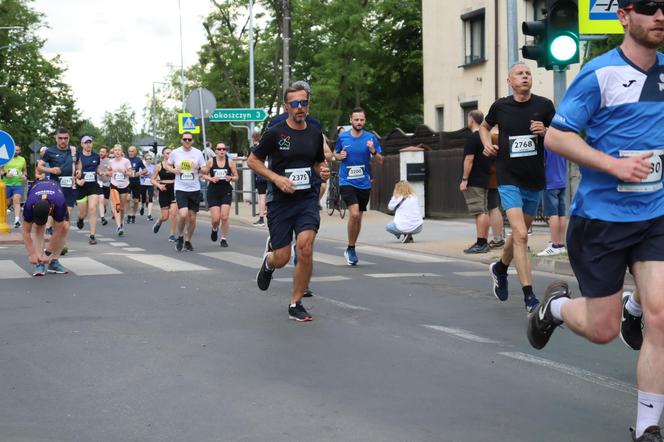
x: 13, y: 173
x: 147, y: 189
x: 45, y: 198
x: 86, y: 167
x: 295, y: 151
x: 354, y: 149
x: 522, y: 119
x: 220, y: 192
x: 104, y: 180
x: 61, y: 160
x: 261, y: 188
x: 617, y: 216
x: 120, y: 169
x: 186, y: 163
x: 164, y: 181
x: 135, y: 182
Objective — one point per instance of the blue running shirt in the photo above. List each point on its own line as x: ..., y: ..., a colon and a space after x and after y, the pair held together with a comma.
x: 621, y: 109
x: 355, y: 170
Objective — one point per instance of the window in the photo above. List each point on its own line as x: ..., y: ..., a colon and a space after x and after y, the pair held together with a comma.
x: 473, y: 28
x: 440, y: 118
x: 466, y: 108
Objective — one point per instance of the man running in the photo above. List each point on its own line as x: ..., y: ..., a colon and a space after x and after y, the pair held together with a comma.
x: 355, y: 149
x: 61, y: 160
x: 86, y: 167
x: 13, y: 173
x: 617, y: 216
x: 295, y: 151
x: 220, y: 192
x: 45, y: 198
x: 186, y: 163
x: 135, y: 182
x: 522, y: 119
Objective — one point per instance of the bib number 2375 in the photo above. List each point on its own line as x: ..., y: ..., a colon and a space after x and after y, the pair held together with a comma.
x: 301, y: 177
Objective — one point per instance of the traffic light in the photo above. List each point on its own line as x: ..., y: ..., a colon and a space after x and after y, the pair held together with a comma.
x: 556, y: 36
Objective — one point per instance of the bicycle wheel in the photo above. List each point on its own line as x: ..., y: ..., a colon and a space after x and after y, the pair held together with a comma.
x: 342, y: 208
x: 330, y: 203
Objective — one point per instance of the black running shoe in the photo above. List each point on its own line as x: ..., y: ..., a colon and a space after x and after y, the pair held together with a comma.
x: 298, y: 313
x: 92, y: 240
x: 631, y: 327
x: 307, y: 293
x: 478, y: 248
x: 223, y: 243
x: 499, y: 280
x: 264, y: 275
x: 652, y: 434
x: 541, y: 322
x: 531, y: 303
x: 79, y: 224
x: 214, y: 235
x: 149, y: 218
x: 179, y: 244
x: 103, y: 221
x: 156, y: 227
x: 142, y: 211
x: 188, y: 247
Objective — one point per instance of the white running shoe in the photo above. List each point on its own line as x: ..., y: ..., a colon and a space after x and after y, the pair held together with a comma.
x: 552, y: 251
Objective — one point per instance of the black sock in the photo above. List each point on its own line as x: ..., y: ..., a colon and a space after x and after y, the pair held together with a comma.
x: 481, y: 241
x: 351, y: 247
x: 500, y: 267
x: 527, y: 291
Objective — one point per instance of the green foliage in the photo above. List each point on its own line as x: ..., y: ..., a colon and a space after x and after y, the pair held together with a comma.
x: 118, y: 126
x: 596, y: 48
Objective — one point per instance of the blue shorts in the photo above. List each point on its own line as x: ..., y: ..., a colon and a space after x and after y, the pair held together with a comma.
x: 554, y: 202
x: 515, y: 197
x: 291, y: 216
x: 14, y: 190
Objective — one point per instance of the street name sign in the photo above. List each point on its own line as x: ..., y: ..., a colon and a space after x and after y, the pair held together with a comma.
x: 237, y: 115
x: 7, y: 148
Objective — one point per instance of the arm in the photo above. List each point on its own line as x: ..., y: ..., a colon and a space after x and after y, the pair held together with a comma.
x: 235, y: 176
x: 375, y: 151
x: 490, y: 149
x: 322, y: 170
x: 154, y: 179
x: 33, y: 257
x: 43, y: 169
x: 394, y: 201
x: 467, y: 167
x: 207, y: 175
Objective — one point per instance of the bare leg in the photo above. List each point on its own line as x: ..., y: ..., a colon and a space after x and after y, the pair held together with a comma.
x: 92, y: 204
x: 304, y: 267
x: 354, y: 224
x: 516, y: 246
x: 191, y: 224
x: 225, y: 216
x: 497, y: 225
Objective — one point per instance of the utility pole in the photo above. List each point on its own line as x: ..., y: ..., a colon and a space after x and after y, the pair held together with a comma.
x: 184, y: 105
x: 286, y: 32
x: 252, y: 99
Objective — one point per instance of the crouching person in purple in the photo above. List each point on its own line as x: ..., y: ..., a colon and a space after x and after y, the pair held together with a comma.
x: 45, y: 198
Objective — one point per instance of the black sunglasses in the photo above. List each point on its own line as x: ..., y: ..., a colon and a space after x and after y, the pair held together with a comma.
x: 220, y: 148
x: 187, y: 139
x: 649, y: 8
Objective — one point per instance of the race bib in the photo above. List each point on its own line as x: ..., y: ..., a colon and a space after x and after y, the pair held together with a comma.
x: 90, y: 177
x: 119, y: 176
x: 523, y: 146
x: 654, y: 179
x: 66, y: 181
x: 301, y: 177
x: 221, y: 173
x: 355, y: 172
x: 187, y: 176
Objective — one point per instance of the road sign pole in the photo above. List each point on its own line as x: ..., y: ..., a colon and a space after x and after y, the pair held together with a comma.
x: 200, y: 101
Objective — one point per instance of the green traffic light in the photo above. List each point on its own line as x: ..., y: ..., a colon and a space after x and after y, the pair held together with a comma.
x: 563, y: 47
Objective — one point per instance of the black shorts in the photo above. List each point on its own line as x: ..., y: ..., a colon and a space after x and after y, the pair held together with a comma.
x: 87, y: 189
x: 166, y: 197
x: 188, y: 200
x: 352, y: 195
x: 261, y: 187
x: 147, y: 193
x: 70, y: 195
x: 219, y: 197
x: 600, y: 252
x: 135, y: 189
x: 292, y: 216
x: 121, y: 191
x: 493, y: 199
x: 106, y: 191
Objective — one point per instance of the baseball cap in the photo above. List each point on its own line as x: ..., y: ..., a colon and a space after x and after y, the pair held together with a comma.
x: 86, y: 138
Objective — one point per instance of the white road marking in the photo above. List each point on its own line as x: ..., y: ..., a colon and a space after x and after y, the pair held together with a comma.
x: 119, y: 244
x: 336, y: 260
x: 11, y: 270
x: 398, y: 275
x: 342, y: 304
x: 462, y: 334
x: 589, y: 376
x: 318, y: 279
x: 401, y: 255
x: 482, y: 273
x: 165, y: 263
x: 236, y: 258
x: 83, y: 266
x: 105, y: 239
x: 133, y: 249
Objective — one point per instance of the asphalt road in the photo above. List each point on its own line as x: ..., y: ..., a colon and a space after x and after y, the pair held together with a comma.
x: 141, y: 343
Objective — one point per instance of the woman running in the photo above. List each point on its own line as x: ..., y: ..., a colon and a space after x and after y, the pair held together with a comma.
x: 147, y: 189
x: 220, y: 192
x: 104, y: 180
x: 165, y: 181
x: 121, y: 170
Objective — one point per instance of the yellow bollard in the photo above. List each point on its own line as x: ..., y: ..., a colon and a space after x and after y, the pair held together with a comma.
x: 4, y: 227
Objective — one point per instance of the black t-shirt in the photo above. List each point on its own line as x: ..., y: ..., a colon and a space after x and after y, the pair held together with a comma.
x: 521, y: 155
x: 481, y: 171
x: 292, y: 153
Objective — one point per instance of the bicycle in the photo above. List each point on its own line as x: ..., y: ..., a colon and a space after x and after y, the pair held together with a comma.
x: 334, y: 200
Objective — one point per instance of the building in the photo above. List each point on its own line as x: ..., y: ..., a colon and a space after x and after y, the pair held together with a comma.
x: 465, y: 58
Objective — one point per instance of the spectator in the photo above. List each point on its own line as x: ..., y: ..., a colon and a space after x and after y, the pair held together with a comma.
x: 554, y: 202
x: 407, y: 215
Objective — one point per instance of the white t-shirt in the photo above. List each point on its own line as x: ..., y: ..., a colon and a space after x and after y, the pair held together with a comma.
x: 407, y: 217
x: 189, y: 164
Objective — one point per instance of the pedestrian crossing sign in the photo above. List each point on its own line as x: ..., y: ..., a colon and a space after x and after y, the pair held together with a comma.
x: 187, y: 123
x: 599, y: 17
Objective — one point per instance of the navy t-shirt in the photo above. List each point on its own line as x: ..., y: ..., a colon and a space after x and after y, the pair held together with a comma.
x: 136, y: 164
x: 56, y: 157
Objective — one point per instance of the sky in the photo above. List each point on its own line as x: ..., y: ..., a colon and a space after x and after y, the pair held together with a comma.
x: 114, y: 49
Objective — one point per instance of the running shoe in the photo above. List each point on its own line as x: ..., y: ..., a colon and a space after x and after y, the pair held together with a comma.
x: 79, y: 224
x: 298, y: 313
x: 172, y: 238
x: 499, y: 280
x: 188, y: 247
x: 541, y: 322
x: 92, y: 240
x: 259, y: 223
x: 56, y: 267
x: 214, y: 235
x: 179, y: 244
x: 408, y: 238
x: 223, y: 243
x: 351, y: 257
x: 149, y: 218
x: 156, y: 227
x: 17, y: 224
x: 631, y: 327
x: 531, y: 303
x: 652, y: 434
x: 103, y: 221
x: 551, y: 251
x: 478, y: 248
x: 307, y: 293
x: 40, y: 270
x: 121, y: 230
x: 49, y: 231
x: 264, y: 275
x: 494, y: 244
x: 142, y: 211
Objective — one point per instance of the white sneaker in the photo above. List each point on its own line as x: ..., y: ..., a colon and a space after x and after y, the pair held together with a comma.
x: 552, y: 251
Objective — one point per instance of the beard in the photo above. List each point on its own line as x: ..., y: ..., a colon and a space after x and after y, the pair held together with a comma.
x: 641, y: 35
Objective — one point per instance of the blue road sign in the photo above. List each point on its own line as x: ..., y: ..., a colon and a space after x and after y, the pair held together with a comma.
x: 7, y: 147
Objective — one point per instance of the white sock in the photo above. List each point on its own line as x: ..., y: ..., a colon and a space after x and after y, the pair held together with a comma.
x: 215, y: 229
x: 648, y: 411
x: 293, y: 305
x: 633, y: 307
x: 557, y: 306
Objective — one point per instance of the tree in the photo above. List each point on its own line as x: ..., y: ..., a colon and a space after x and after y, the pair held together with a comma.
x: 118, y: 126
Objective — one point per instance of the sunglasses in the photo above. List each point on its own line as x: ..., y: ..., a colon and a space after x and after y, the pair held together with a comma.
x: 187, y: 139
x: 649, y: 8
x: 295, y: 103
x: 220, y: 148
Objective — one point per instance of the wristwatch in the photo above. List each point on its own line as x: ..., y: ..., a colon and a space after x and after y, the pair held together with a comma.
x: 465, y: 178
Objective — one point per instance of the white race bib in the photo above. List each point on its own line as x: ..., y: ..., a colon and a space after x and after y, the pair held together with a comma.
x: 66, y: 181
x: 654, y: 179
x: 221, y: 173
x: 90, y: 177
x: 523, y: 146
x: 119, y: 176
x: 301, y: 177
x: 187, y: 176
x: 355, y: 172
